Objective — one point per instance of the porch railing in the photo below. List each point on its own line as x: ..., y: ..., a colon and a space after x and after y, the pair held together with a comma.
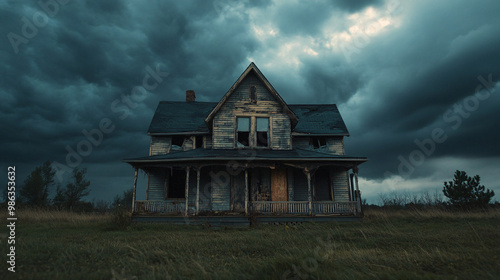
x: 302, y: 207
x: 259, y: 207
x: 160, y: 206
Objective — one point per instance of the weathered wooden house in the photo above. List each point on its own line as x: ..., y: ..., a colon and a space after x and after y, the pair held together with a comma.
x: 248, y: 154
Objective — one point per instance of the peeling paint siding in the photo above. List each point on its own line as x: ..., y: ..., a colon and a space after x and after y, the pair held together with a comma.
x: 205, y: 190
x: 221, y: 189
x: 160, y: 145
x: 208, y: 141
x: 335, y: 145
x: 340, y: 183
x: 238, y: 104
x: 301, y: 142
x: 157, y: 184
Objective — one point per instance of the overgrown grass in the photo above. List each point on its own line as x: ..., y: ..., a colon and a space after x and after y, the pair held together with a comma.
x: 385, y: 245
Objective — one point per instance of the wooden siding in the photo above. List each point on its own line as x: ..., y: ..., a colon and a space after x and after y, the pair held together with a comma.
x: 221, y: 193
x: 160, y: 145
x: 335, y: 145
x: 156, y: 187
x: 205, y: 190
x: 238, y: 104
x: 340, y: 183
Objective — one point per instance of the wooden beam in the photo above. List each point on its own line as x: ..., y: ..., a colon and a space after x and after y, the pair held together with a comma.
x: 309, y: 195
x: 246, y: 191
x: 187, y: 191
x: 358, y: 194
x: 135, y: 190
x: 198, y: 174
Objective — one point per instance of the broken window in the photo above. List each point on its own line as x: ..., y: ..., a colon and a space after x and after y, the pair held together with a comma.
x: 177, y: 186
x: 318, y: 142
x: 262, y: 132
x: 177, y: 142
x: 253, y: 94
x: 243, y: 132
x: 199, y: 142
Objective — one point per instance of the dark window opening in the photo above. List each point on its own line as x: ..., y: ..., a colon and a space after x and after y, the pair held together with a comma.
x: 262, y: 132
x: 177, y: 186
x: 243, y: 132
x: 317, y: 142
x: 199, y: 142
x: 253, y: 94
x: 177, y: 142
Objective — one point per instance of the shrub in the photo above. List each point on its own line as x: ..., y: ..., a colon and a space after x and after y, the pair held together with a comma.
x: 121, y: 217
x: 465, y: 192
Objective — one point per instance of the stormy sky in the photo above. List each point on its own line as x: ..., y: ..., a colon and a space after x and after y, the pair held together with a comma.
x: 417, y: 82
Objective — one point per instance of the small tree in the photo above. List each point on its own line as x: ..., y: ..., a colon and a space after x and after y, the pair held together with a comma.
x: 73, y: 192
x: 35, y: 190
x: 465, y: 191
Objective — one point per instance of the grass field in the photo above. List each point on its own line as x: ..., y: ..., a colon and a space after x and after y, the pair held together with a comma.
x: 385, y: 245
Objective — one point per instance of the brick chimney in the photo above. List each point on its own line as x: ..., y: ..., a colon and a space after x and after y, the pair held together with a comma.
x: 190, y: 96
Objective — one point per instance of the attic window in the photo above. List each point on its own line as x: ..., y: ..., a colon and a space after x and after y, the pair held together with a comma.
x: 318, y: 142
x: 243, y: 132
x: 252, y: 94
x: 177, y: 142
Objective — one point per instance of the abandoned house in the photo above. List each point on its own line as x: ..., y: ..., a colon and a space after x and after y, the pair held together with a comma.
x: 248, y: 154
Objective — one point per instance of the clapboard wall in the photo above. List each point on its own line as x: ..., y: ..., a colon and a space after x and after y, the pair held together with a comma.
x: 239, y: 105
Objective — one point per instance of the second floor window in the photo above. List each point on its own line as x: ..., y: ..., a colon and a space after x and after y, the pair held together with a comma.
x: 262, y: 131
x: 243, y: 132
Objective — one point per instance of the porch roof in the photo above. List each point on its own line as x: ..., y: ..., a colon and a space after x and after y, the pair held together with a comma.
x: 295, y: 155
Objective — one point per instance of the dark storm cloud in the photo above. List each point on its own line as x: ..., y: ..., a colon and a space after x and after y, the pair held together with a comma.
x: 393, y: 89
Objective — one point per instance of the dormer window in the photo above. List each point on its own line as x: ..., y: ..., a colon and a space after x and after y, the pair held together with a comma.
x: 243, y: 132
x: 252, y: 94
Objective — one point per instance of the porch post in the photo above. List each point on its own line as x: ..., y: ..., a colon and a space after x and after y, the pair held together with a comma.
x: 135, y: 189
x: 187, y: 190
x: 246, y: 191
x: 309, y: 195
x: 198, y: 171
x: 358, y: 194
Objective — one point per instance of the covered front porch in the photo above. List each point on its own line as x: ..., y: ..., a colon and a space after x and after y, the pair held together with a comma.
x: 249, y: 185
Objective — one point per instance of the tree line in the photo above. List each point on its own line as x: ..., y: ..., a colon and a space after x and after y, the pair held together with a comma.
x: 39, y: 184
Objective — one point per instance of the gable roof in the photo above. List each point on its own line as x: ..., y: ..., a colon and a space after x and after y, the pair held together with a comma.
x: 319, y: 120
x: 179, y: 117
x: 250, y: 68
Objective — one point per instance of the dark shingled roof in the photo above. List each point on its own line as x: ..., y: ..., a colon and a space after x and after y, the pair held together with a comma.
x: 173, y: 117
x: 246, y: 155
x: 319, y: 119
x: 178, y: 117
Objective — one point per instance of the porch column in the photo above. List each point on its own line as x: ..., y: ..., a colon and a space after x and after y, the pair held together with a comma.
x: 358, y: 194
x: 198, y: 171
x: 309, y: 195
x: 135, y: 190
x: 246, y: 191
x: 187, y: 190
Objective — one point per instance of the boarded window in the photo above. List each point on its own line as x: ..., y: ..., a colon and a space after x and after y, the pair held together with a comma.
x: 252, y: 94
x: 262, y: 132
x: 243, y: 132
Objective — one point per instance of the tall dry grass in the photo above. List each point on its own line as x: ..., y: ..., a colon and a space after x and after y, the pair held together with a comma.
x: 56, y: 216
x: 431, y: 212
